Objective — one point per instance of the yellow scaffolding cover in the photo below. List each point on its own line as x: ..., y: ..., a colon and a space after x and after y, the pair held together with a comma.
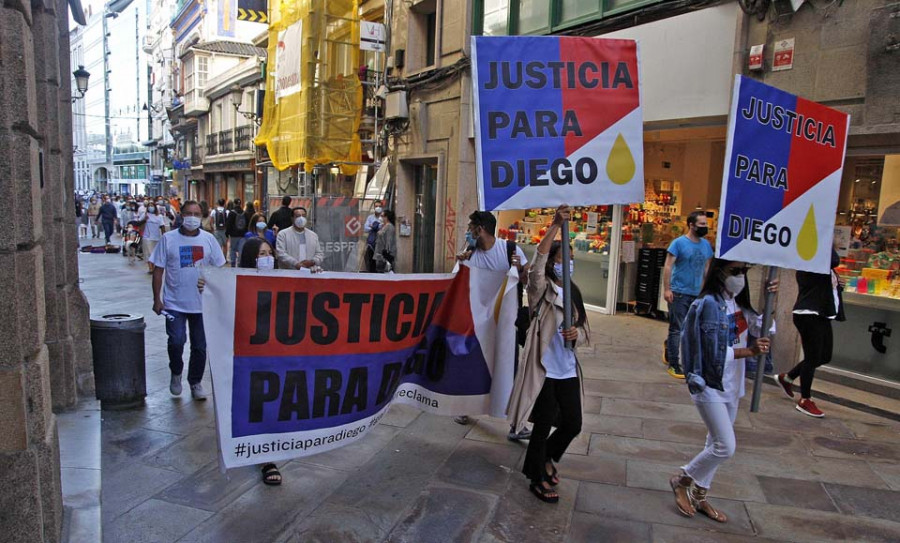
x: 313, y: 93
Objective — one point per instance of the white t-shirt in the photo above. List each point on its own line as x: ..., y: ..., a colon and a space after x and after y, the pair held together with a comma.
x: 151, y: 227
x: 181, y: 257
x: 494, y: 258
x: 559, y: 361
x: 733, y: 375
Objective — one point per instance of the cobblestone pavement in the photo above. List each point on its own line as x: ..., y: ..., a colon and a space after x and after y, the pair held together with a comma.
x: 420, y: 477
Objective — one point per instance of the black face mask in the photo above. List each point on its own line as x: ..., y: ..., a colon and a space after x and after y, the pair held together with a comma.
x: 702, y: 231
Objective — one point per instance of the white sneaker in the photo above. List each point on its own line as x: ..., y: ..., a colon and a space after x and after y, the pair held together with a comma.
x: 175, y: 385
x: 197, y: 392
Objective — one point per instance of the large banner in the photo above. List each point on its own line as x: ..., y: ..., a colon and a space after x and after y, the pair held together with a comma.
x: 302, y: 364
x: 557, y: 120
x: 783, y: 166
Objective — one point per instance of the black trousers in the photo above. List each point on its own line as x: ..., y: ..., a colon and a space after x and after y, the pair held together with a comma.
x: 818, y: 342
x: 369, y: 259
x: 558, y: 404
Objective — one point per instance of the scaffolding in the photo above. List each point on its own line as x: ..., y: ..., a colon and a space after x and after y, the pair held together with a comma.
x: 314, y: 97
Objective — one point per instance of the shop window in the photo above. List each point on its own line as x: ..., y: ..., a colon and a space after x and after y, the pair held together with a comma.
x: 424, y: 36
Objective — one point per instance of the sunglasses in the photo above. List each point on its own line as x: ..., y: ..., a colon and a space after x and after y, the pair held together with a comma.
x: 734, y: 272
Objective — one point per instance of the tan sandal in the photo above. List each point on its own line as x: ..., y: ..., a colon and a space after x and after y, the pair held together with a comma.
x: 681, y: 485
x: 701, y: 504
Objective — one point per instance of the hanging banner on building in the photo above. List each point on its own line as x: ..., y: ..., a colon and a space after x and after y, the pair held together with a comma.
x: 783, y: 166
x: 557, y: 120
x: 227, y: 18
x: 287, y: 61
x: 372, y: 36
x: 302, y: 364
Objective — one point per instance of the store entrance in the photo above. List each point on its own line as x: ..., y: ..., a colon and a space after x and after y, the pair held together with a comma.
x: 426, y: 211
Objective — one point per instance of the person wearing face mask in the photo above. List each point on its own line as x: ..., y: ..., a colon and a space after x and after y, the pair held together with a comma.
x: 386, y: 244
x: 298, y: 247
x: 257, y: 229
x: 484, y: 251
x: 371, y: 227
x: 177, y: 259
x: 154, y: 227
x: 108, y: 215
x: 548, y: 388
x: 687, y: 261
x: 721, y: 330
x: 819, y: 301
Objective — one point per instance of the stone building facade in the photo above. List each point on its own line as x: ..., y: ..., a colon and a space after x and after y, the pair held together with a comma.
x: 45, y: 352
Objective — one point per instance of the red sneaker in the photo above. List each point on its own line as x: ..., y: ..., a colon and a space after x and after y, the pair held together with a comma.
x: 808, y: 407
x: 786, y: 385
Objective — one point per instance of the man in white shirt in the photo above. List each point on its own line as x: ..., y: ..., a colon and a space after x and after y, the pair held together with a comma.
x: 178, y: 257
x: 485, y: 251
x: 373, y: 224
x: 298, y: 247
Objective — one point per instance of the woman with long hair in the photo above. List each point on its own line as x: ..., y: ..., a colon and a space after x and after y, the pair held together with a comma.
x: 721, y: 328
x: 386, y: 243
x: 548, y: 389
x: 256, y: 228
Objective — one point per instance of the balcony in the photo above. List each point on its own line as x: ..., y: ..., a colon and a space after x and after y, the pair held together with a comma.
x: 196, y: 153
x: 243, y: 138
x: 212, y: 144
x: 226, y: 142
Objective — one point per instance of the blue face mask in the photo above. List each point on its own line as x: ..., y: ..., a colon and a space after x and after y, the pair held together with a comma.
x: 558, y: 269
x: 470, y: 239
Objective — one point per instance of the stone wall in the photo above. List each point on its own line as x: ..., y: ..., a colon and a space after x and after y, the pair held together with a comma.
x: 45, y: 357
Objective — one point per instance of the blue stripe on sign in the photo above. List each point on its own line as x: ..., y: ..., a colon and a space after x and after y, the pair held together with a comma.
x: 760, y: 142
x: 523, y: 99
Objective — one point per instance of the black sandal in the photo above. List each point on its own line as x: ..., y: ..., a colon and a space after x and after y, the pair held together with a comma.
x: 547, y: 495
x: 271, y: 475
x: 552, y: 478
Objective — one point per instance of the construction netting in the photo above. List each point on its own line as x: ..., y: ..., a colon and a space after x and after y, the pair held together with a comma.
x: 313, y: 96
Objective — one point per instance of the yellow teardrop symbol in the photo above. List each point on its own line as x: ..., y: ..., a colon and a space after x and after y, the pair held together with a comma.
x: 808, y: 238
x: 620, y: 164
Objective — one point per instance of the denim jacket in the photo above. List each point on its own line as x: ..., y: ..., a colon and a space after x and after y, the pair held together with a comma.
x: 705, y: 341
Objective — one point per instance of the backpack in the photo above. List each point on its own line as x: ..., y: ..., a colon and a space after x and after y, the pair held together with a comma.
x: 220, y: 220
x: 240, y: 222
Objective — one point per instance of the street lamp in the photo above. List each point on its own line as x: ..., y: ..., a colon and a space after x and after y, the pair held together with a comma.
x: 81, y: 82
x: 237, y: 99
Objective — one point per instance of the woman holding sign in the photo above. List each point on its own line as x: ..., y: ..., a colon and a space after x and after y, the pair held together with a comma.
x: 548, y: 387
x: 721, y: 328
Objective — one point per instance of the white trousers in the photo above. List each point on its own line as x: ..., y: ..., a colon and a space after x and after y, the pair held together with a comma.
x: 720, y: 442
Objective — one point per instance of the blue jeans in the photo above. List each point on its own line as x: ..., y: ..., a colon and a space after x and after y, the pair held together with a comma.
x: 237, y: 243
x: 107, y: 229
x: 176, y: 329
x: 677, y: 312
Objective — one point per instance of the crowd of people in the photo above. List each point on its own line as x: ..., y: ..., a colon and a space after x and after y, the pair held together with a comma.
x: 713, y: 327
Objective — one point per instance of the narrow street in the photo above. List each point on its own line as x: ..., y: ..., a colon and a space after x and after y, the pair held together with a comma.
x: 421, y: 478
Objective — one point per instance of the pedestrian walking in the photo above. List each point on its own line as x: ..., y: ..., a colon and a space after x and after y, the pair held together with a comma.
x: 236, y: 228
x: 386, y: 244
x: 484, y: 251
x: 108, y: 214
x: 257, y: 229
x: 371, y: 227
x: 720, y: 330
x: 548, y: 388
x: 178, y: 258
x: 283, y: 217
x: 687, y: 261
x: 93, y: 211
x: 298, y: 247
x: 220, y: 216
x: 819, y: 301
x: 81, y: 217
x: 154, y: 228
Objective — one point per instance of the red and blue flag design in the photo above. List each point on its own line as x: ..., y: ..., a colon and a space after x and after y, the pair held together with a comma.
x: 558, y: 119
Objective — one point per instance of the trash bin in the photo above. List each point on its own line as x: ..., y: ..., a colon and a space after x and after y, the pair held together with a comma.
x: 119, y: 369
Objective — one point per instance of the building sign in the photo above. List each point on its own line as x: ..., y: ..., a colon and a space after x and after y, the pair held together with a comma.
x: 287, y: 61
x: 371, y: 36
x: 756, y: 57
x: 783, y: 166
x: 784, y: 55
x: 253, y: 11
x: 557, y: 120
x: 312, y: 362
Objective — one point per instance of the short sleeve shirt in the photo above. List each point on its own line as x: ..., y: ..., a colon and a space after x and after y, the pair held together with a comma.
x: 182, y: 256
x: 494, y: 259
x: 690, y: 262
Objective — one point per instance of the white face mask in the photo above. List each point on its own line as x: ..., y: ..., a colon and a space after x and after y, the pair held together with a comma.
x: 300, y: 222
x: 151, y: 209
x: 265, y: 263
x: 377, y: 210
x: 734, y: 284
x: 558, y: 269
x: 191, y: 223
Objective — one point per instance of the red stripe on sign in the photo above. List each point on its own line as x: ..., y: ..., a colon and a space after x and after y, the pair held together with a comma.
x: 354, y: 202
x: 817, y: 147
x: 323, y: 202
x: 337, y: 201
x: 315, y: 317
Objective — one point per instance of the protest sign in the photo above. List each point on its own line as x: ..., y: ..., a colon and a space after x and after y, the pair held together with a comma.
x: 557, y: 120
x: 304, y: 364
x: 783, y: 166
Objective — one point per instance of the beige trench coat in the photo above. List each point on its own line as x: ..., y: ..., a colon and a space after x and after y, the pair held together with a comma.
x: 530, y: 378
